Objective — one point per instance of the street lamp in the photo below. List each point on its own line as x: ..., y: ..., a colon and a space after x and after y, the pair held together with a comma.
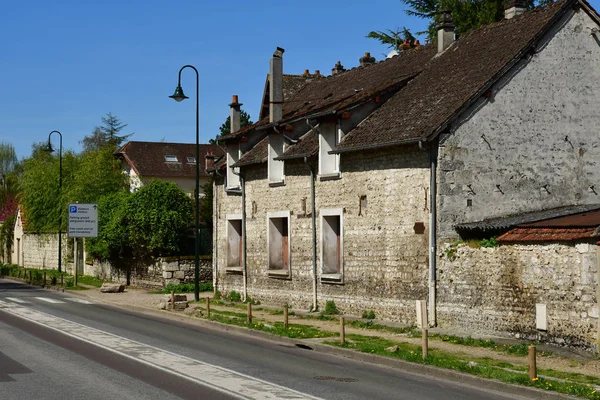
x: 179, y: 96
x: 50, y: 150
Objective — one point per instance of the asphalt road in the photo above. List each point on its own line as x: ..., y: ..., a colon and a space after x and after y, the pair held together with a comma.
x: 55, y: 346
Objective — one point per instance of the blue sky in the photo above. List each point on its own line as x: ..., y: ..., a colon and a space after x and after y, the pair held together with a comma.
x: 65, y: 64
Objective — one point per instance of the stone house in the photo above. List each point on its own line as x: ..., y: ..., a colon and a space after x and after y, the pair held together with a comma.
x: 354, y: 187
x: 173, y: 162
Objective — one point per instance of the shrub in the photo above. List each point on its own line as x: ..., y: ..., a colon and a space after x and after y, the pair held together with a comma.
x: 368, y: 314
x: 233, y: 296
x: 330, y: 308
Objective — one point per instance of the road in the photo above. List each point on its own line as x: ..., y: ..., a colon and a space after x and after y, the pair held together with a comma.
x: 56, y: 346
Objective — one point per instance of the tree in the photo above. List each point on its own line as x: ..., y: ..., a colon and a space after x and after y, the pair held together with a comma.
x: 466, y: 15
x: 225, y: 128
x: 393, y: 39
x: 106, y: 134
x: 151, y: 222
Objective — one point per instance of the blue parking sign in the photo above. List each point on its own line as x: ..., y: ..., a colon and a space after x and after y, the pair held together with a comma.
x: 73, y: 209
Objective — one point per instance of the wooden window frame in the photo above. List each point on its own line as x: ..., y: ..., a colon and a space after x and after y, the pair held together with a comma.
x: 286, y: 250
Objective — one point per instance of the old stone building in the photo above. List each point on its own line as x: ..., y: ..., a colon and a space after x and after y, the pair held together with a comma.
x: 353, y: 186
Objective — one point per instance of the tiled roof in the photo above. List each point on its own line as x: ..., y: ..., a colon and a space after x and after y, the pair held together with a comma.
x: 335, y: 92
x: 257, y: 154
x: 148, y: 158
x: 9, y: 208
x: 450, y: 82
x: 511, y: 221
x: 291, y: 84
x: 584, y: 225
x: 546, y: 234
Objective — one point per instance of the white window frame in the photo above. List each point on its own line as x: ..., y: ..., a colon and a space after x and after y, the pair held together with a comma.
x: 171, y: 159
x: 233, y: 156
x: 228, y: 268
x: 325, y: 147
x: 280, y: 273
x: 339, y: 276
x: 276, y: 173
x: 191, y: 160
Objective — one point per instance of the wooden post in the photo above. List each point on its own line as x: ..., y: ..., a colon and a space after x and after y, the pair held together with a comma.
x: 249, y: 312
x: 207, y: 307
x: 342, y: 331
x: 285, y: 316
x: 30, y: 278
x: 532, y: 366
x: 172, y: 300
x: 61, y: 279
x: 424, y: 343
x: 44, y: 278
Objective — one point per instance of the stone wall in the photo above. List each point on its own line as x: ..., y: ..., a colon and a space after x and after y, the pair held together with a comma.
x: 534, y: 143
x: 157, y: 274
x: 495, y: 290
x: 41, y: 250
x: 384, y: 260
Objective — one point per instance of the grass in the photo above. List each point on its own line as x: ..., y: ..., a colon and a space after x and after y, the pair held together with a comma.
x: 76, y: 288
x: 185, y: 288
x: 577, y: 384
x: 521, y: 349
x: 90, y: 280
x: 371, y: 325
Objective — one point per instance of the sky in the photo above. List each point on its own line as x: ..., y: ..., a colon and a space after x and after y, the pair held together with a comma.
x: 65, y: 64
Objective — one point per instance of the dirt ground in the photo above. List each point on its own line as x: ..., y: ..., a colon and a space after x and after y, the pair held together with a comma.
x: 559, y: 360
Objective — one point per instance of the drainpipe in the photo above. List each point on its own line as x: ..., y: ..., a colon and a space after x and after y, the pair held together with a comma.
x: 314, y: 228
x: 432, y: 317
x: 215, y: 233
x: 244, y: 272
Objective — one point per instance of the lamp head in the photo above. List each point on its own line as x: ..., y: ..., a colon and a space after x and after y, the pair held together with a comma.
x: 49, y: 148
x: 178, y: 95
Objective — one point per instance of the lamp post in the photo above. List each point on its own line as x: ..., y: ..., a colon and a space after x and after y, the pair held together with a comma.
x: 50, y: 150
x: 179, y: 96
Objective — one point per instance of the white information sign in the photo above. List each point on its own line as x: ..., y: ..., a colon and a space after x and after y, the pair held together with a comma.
x: 83, y: 220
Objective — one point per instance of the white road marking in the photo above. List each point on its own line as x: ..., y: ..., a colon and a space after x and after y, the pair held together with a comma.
x: 77, y: 300
x: 227, y: 381
x: 49, y: 300
x: 17, y: 300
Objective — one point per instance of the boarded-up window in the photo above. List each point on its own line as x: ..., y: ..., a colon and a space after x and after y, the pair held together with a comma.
x: 234, y: 243
x: 332, y: 249
x: 279, y: 245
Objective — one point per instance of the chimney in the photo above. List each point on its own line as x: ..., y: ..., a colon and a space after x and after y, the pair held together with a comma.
x: 234, y: 114
x: 337, y: 68
x: 514, y: 7
x: 306, y: 73
x: 405, y: 45
x: 209, y: 160
x: 318, y: 74
x: 276, y: 86
x: 366, y: 60
x: 445, y: 31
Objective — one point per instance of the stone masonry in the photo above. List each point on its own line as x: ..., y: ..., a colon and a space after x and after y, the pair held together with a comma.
x: 384, y: 260
x: 495, y: 290
x: 534, y: 143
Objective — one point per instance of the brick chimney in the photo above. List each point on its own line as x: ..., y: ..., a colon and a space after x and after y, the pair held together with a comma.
x: 276, y: 86
x: 234, y: 114
x: 366, y: 60
x: 445, y: 31
x: 337, y: 68
x: 209, y: 160
x: 514, y: 7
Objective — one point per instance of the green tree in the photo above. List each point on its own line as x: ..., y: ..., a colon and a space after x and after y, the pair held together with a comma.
x: 466, y: 14
x: 225, y: 128
x: 393, y: 39
x: 109, y: 133
x: 112, y: 242
x: 206, y: 204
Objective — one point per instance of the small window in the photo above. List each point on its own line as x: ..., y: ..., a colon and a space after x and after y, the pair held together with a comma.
x: 331, y: 245
x: 171, y: 158
x: 329, y: 164
x: 191, y: 160
x: 279, y: 243
x: 234, y: 242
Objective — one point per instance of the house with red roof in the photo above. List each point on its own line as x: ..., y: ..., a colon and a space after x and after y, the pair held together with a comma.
x: 174, y: 162
x: 389, y: 183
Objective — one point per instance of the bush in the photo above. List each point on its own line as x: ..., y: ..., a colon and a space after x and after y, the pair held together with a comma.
x: 368, y: 314
x: 330, y: 308
x: 233, y: 296
x: 188, y: 287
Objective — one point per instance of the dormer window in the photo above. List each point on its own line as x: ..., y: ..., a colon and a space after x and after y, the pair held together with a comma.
x: 171, y: 159
x: 233, y: 156
x: 276, y: 148
x: 329, y: 164
x: 191, y: 160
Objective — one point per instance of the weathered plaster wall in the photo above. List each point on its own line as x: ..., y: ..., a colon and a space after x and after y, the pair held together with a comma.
x: 495, y: 290
x: 385, y: 261
x: 534, y: 144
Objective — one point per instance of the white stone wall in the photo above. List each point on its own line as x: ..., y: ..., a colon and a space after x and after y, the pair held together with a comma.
x: 41, y: 250
x: 495, y: 290
x: 385, y: 261
x: 534, y: 144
